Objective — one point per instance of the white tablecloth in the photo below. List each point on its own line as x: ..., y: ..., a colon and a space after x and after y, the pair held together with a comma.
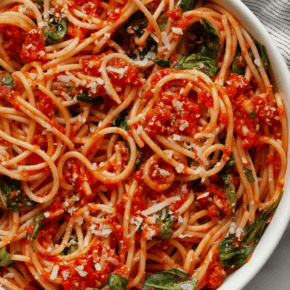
x: 275, y: 15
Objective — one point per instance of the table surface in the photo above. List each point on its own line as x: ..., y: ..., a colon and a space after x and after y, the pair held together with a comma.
x: 275, y: 275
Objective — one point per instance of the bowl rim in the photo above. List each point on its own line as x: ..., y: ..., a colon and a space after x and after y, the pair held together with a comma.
x: 275, y: 230
x: 279, y: 223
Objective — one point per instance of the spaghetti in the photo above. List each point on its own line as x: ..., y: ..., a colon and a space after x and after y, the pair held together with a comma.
x: 141, y: 144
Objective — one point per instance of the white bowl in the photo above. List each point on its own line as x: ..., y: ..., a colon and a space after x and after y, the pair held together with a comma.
x: 280, y: 78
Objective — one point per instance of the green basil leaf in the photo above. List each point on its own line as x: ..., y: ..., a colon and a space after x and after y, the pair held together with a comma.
x: 40, y: 2
x: 239, y: 64
x: 162, y: 62
x: 115, y: 282
x: 5, y: 259
x: 229, y: 189
x: 138, y: 160
x: 161, y: 26
x: 252, y: 115
x: 136, y: 16
x: 187, y: 5
x: 249, y: 174
x: 86, y: 98
x: 12, y: 186
x: 38, y: 221
x: 234, y: 256
x: 202, y: 63
x: 7, y: 80
x: 56, y: 31
x: 174, y: 279
x: 231, y: 162
x: 231, y: 255
x: 121, y: 120
x: 72, y: 248
x: 212, y: 46
x: 263, y: 54
x: 165, y: 231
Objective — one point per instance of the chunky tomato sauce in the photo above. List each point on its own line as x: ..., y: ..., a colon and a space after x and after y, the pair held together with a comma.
x: 215, y: 274
x: 215, y: 201
x: 250, y: 112
x: 173, y: 113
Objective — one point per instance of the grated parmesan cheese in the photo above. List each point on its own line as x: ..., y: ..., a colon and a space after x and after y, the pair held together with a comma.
x: 158, y: 206
x: 54, y: 272
x: 165, y: 40
x: 180, y: 168
x: 119, y: 71
x: 80, y: 270
x: 46, y: 214
x: 177, y: 30
x: 203, y: 195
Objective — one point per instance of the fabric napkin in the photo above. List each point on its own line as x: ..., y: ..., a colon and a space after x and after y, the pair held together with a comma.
x: 275, y: 15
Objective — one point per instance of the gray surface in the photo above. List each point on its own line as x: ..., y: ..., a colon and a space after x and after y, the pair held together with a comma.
x: 275, y: 275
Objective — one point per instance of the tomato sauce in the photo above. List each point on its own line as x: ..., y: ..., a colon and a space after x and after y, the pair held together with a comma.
x: 45, y: 105
x: 215, y: 201
x: 173, y: 113
x: 215, y: 273
x: 175, y: 14
x: 114, y: 14
x: 250, y: 111
x: 32, y: 49
x: 81, y: 273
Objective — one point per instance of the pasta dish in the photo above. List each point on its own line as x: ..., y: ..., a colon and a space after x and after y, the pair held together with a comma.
x: 141, y: 144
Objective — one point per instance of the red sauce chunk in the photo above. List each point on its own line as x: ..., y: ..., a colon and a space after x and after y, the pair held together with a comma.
x: 215, y: 201
x: 215, y: 274
x: 32, y: 48
x: 45, y: 105
x: 173, y: 113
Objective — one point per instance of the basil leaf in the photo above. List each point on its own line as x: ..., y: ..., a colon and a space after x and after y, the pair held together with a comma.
x: 56, y: 31
x: 115, y: 282
x: 72, y: 248
x: 161, y: 26
x: 239, y: 63
x: 231, y: 255
x: 40, y: 2
x: 38, y: 221
x: 252, y: 115
x: 187, y: 5
x: 202, y: 63
x: 263, y: 54
x: 138, y: 160
x: 254, y: 231
x: 165, y: 231
x: 231, y: 162
x: 7, y: 80
x: 229, y: 189
x: 234, y: 256
x: 121, y: 120
x: 162, y: 62
x: 212, y: 45
x: 86, y: 98
x: 249, y: 174
x: 136, y: 16
x: 174, y: 279
x: 12, y: 186
x: 5, y: 259
x: 138, y: 22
